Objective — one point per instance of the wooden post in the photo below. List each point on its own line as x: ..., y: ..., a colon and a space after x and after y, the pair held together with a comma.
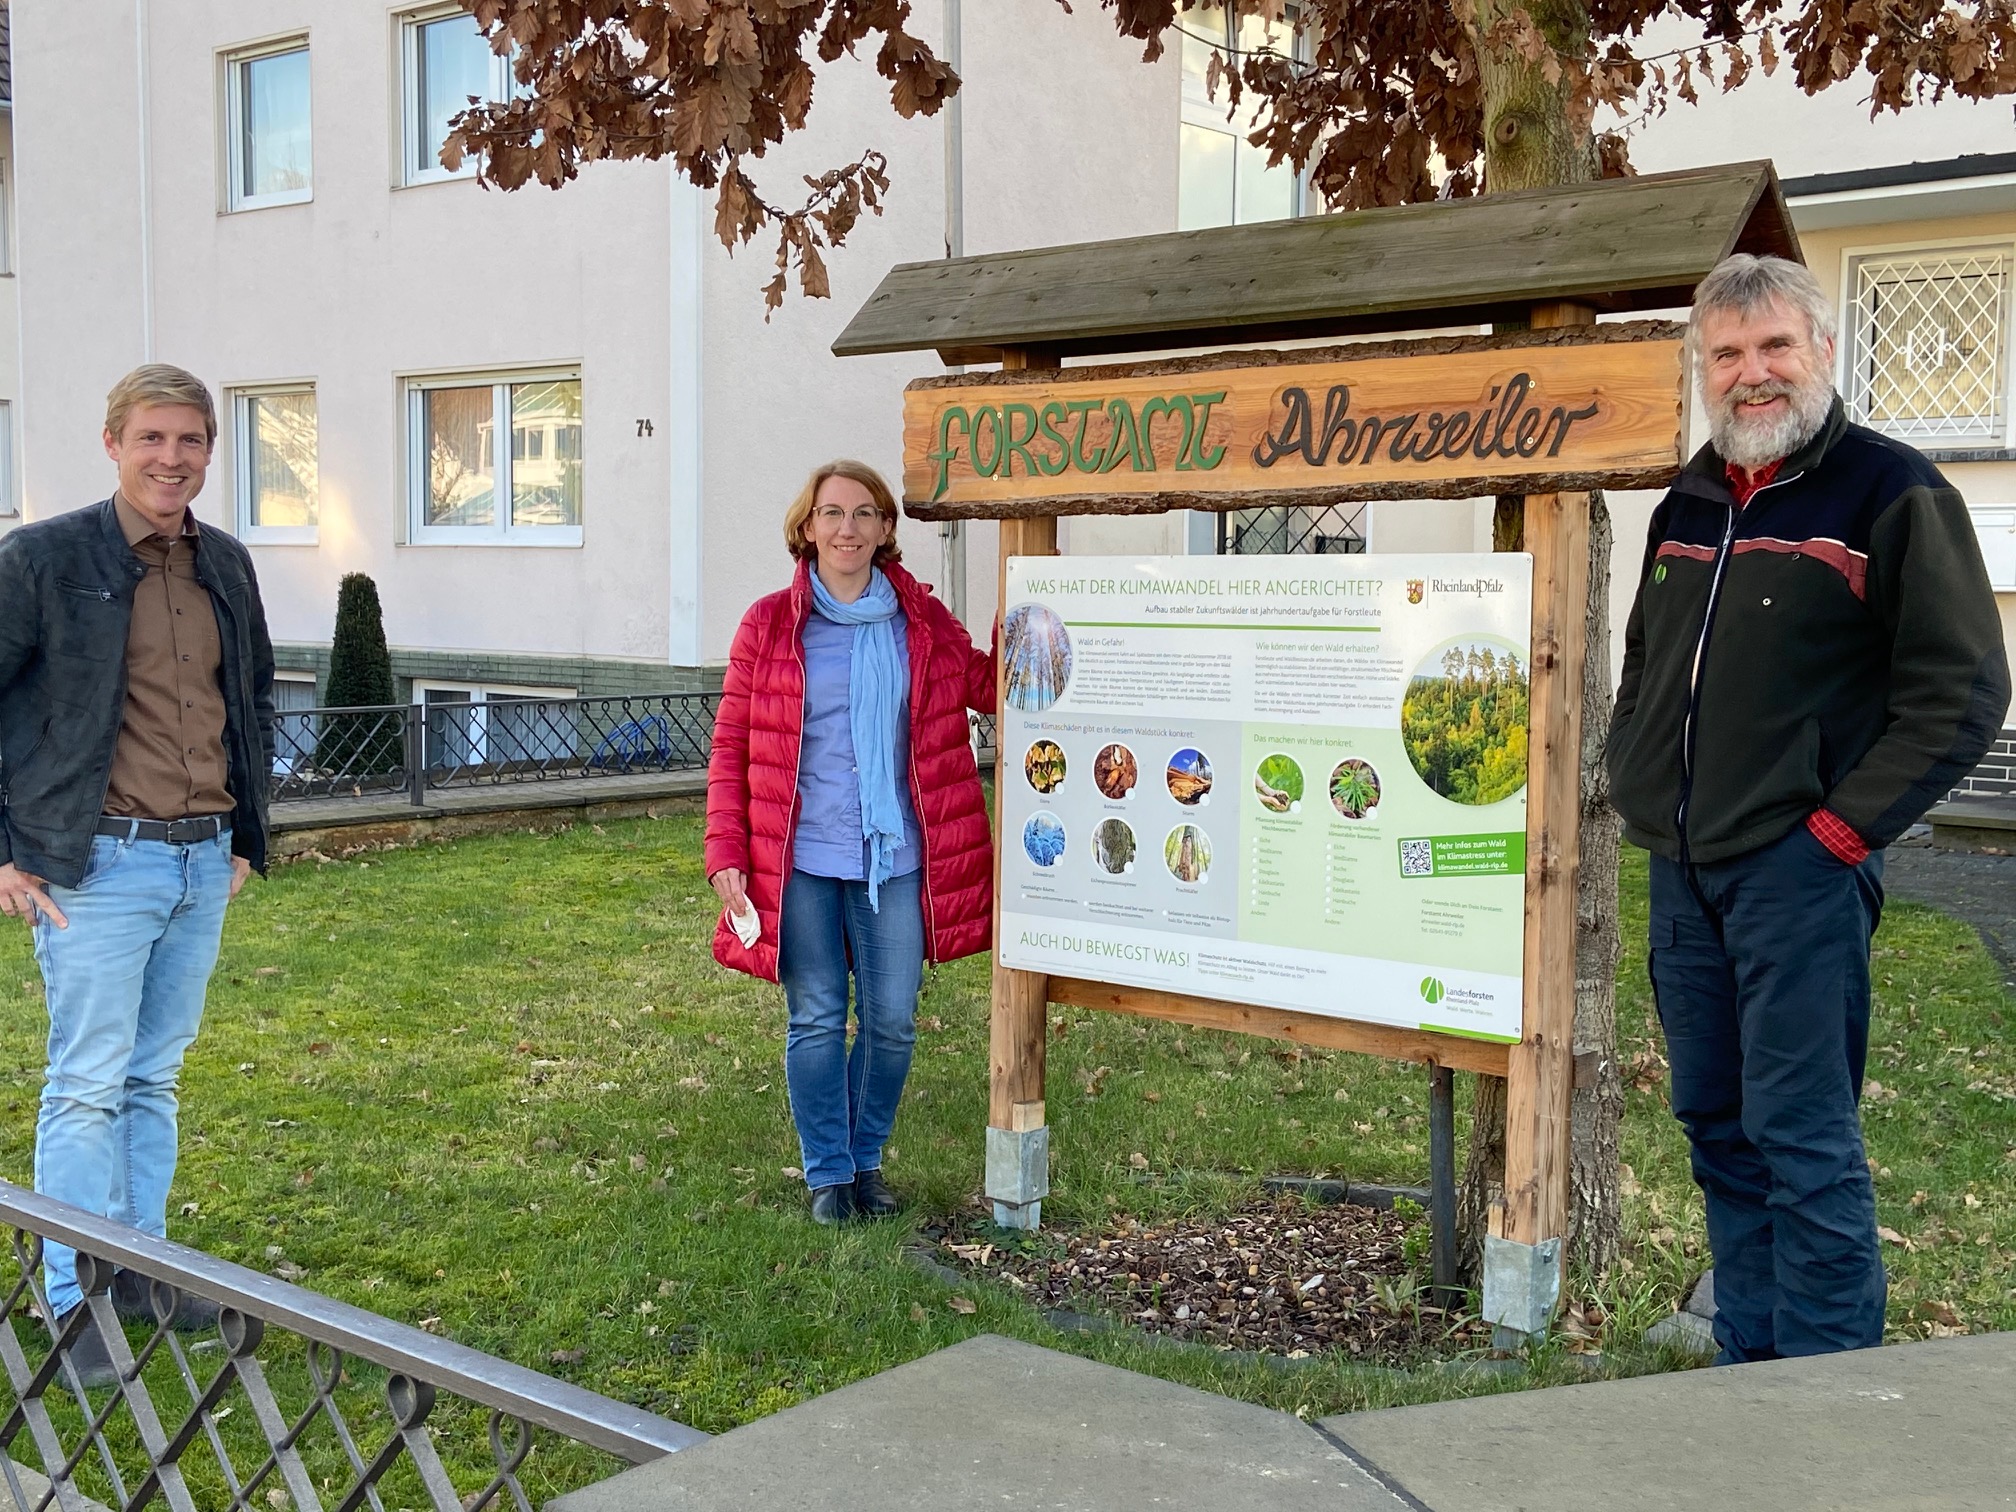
x: 1523, y: 1286
x: 1018, y: 1139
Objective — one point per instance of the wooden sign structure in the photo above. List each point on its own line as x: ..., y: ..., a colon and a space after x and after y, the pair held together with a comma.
x: 1560, y: 408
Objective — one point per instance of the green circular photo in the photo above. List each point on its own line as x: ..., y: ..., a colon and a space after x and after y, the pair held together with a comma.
x: 1277, y: 783
x: 1463, y: 720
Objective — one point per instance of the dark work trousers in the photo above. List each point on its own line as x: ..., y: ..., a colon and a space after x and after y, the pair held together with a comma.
x: 1760, y: 965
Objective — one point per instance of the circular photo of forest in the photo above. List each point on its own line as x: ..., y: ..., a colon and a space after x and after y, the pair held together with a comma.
x: 1354, y: 789
x: 1114, y: 771
x: 1187, y: 853
x: 1463, y: 720
x: 1189, y: 775
x: 1038, y: 651
x: 1043, y: 765
x: 1277, y: 783
x: 1043, y: 839
x: 1113, y: 846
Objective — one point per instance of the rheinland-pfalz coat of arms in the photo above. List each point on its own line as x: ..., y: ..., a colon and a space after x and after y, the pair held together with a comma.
x: 1416, y: 589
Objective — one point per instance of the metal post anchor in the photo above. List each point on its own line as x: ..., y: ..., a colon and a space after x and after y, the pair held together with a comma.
x: 1018, y: 1175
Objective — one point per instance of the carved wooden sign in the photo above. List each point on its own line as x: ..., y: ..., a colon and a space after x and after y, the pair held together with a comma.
x: 1442, y: 417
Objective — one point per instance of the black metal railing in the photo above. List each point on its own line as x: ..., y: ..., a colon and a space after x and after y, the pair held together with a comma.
x: 210, y: 1424
x: 419, y: 747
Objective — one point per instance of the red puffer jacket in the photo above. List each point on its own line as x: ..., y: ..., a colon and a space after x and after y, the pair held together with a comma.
x: 752, y: 779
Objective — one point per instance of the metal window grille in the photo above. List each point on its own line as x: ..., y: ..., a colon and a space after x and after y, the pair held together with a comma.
x: 1928, y: 344
x: 1322, y: 530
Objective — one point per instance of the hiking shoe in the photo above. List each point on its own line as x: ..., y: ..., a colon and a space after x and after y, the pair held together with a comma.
x: 89, y: 1356
x: 872, y: 1197
x: 132, y: 1299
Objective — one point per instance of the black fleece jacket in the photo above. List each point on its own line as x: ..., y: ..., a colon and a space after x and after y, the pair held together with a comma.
x: 1833, y: 643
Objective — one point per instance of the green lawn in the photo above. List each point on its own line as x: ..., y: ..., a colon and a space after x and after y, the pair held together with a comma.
x: 499, y: 1088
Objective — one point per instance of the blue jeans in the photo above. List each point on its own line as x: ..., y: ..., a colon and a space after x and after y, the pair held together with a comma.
x: 125, y: 985
x: 844, y: 1104
x: 1760, y: 965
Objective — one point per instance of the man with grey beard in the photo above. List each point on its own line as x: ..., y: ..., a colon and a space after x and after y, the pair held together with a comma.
x: 1814, y: 659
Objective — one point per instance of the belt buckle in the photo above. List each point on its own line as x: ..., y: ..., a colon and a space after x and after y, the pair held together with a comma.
x: 185, y: 831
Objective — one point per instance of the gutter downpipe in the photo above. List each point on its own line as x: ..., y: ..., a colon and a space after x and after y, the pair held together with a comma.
x: 146, y: 182
x: 952, y: 533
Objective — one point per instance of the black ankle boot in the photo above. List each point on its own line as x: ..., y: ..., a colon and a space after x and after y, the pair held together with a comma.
x: 872, y: 1197
x: 832, y: 1205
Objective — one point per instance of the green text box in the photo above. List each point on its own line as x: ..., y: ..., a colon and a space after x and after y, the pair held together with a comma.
x: 1463, y: 855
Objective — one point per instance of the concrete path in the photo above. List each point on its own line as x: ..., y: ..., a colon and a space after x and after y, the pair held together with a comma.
x: 1004, y: 1425
x: 1980, y: 889
x: 1914, y: 1426
x: 993, y: 1423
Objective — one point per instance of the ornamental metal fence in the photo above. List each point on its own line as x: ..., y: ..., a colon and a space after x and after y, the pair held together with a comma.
x: 441, y: 742
x: 413, y: 749
x: 343, y: 1410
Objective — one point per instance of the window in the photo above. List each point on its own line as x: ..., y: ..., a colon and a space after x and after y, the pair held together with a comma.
x: 1222, y: 179
x: 1925, y: 346
x: 7, y: 505
x: 495, y: 461
x: 497, y: 726
x: 6, y: 216
x: 268, y: 142
x: 294, y: 733
x: 446, y: 63
x: 276, y: 464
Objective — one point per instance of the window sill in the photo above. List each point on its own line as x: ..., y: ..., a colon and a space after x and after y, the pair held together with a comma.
x: 427, y: 181
x: 561, y: 536
x: 278, y: 535
x: 1969, y: 453
x: 268, y: 202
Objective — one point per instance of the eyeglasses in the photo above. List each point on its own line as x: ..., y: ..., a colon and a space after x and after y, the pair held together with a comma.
x: 831, y: 515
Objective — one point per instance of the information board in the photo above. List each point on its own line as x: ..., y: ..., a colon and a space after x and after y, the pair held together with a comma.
x: 1296, y: 782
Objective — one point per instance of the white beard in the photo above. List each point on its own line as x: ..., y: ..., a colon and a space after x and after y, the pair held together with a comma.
x: 1750, y: 443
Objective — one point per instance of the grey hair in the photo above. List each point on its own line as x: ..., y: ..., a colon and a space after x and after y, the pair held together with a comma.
x: 1747, y: 285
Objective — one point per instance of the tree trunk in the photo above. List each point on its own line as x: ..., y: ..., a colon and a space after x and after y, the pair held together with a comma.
x: 1530, y: 142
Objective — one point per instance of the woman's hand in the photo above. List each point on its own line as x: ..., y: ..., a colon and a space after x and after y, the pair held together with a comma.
x: 728, y: 886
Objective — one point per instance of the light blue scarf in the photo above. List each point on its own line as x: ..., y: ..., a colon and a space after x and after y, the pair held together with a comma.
x: 876, y: 682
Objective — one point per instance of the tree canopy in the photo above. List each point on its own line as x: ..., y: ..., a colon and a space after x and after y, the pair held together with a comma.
x: 1381, y: 102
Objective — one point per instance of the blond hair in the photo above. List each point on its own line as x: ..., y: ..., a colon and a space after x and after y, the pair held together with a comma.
x: 158, y: 383
x: 799, y: 515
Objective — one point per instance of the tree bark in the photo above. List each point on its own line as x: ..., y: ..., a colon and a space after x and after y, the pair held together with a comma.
x: 1530, y: 142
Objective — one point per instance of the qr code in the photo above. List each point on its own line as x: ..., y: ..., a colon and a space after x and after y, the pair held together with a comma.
x: 1417, y: 858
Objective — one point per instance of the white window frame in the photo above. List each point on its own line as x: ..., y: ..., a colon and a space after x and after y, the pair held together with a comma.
x: 503, y: 85
x: 500, y: 532
x: 243, y: 472
x: 480, y: 695
x: 234, y: 64
x: 8, y: 507
x: 1211, y: 115
x: 1845, y: 348
x: 284, y: 754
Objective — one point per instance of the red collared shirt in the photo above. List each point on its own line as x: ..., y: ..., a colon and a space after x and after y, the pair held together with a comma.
x: 1745, y: 484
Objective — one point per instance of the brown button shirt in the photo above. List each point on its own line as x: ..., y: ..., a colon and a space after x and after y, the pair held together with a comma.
x: 169, y: 762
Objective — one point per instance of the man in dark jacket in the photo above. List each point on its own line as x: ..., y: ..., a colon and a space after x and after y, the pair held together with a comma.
x: 1814, y: 659
x: 136, y: 735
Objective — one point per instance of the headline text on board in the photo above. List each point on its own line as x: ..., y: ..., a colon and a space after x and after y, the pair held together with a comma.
x: 1445, y: 417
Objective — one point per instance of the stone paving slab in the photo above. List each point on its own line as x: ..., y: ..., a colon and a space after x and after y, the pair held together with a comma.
x: 996, y: 1423
x: 1909, y: 1428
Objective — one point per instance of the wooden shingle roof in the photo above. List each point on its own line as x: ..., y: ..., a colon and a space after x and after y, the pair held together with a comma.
x: 1620, y: 244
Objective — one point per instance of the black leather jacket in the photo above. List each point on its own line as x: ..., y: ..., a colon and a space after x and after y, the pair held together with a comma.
x: 66, y: 602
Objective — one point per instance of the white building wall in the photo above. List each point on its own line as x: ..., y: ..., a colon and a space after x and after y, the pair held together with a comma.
x: 10, y: 336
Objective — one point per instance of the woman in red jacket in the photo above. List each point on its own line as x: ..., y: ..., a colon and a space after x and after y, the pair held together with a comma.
x: 844, y: 814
